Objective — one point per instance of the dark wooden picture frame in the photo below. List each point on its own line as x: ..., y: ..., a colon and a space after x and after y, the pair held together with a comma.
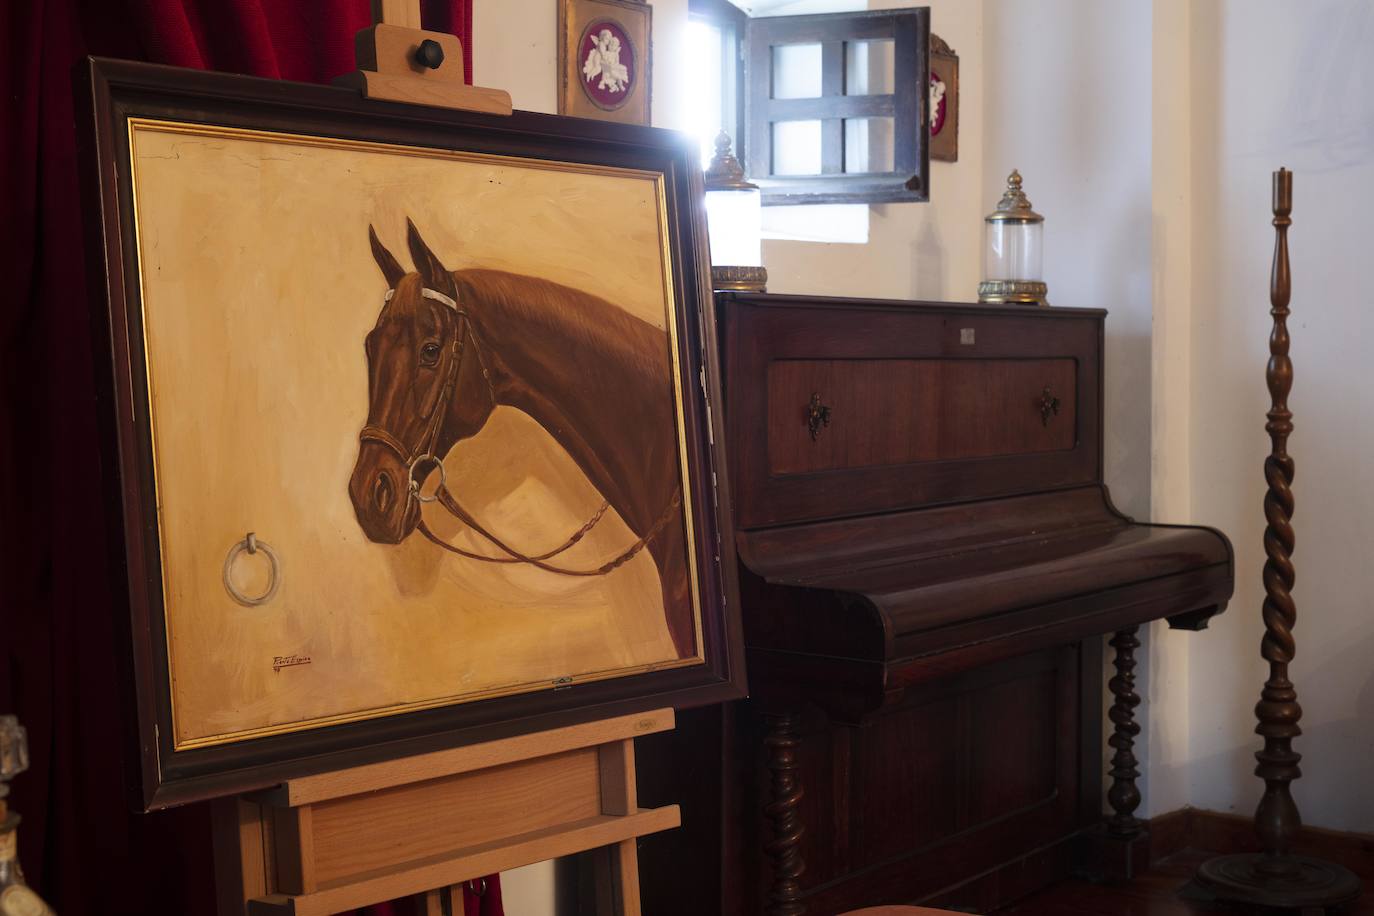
x: 636, y: 18
x: 115, y: 92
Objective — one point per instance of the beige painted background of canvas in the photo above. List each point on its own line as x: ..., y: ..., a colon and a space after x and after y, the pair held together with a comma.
x: 259, y: 288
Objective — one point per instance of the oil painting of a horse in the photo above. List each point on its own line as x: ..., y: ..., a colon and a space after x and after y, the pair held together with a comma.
x: 450, y: 346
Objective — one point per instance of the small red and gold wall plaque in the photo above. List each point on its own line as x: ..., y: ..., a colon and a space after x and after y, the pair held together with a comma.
x: 605, y: 59
x: 944, y: 101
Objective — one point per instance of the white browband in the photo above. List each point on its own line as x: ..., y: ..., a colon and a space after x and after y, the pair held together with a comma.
x: 428, y: 294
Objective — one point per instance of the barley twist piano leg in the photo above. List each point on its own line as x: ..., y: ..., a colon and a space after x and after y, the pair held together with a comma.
x: 784, y: 895
x: 1123, y: 795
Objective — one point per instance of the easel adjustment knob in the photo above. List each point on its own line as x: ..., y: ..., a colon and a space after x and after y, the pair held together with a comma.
x: 430, y: 54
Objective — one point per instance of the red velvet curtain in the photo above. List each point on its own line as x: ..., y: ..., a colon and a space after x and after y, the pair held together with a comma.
x: 80, y: 844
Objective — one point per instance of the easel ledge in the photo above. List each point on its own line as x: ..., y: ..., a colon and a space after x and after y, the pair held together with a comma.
x: 338, y: 841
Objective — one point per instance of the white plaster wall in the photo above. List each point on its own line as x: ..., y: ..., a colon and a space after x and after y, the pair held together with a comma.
x: 1292, y: 84
x: 915, y: 251
x: 1164, y: 679
x: 515, y: 47
x: 1068, y: 103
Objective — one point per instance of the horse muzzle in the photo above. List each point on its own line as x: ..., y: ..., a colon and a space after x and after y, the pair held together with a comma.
x: 382, y: 499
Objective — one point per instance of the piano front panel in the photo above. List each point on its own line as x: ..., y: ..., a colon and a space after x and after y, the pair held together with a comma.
x: 844, y: 409
x: 884, y: 412
x: 945, y: 784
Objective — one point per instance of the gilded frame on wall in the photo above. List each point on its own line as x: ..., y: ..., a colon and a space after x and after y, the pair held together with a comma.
x: 406, y: 450
x: 605, y: 60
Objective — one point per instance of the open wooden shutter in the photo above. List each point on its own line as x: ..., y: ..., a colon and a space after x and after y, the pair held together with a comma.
x: 836, y: 107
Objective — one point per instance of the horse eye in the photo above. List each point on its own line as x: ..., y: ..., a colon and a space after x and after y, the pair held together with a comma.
x: 429, y: 354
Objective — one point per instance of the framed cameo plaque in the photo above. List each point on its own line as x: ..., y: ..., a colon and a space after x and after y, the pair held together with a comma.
x: 605, y: 59
x: 944, y: 101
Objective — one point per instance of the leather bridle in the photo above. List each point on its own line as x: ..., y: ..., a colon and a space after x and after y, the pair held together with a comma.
x: 424, y: 452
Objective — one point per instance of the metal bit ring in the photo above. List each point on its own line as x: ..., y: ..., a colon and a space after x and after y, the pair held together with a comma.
x: 415, y: 484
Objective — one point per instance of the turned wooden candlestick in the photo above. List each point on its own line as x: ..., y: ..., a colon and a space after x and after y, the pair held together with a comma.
x: 1276, y: 877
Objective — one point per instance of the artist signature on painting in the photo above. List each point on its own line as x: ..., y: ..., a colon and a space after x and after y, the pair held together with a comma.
x: 288, y: 661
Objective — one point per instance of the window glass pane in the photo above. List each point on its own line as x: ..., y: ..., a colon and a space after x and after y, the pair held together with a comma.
x: 796, y: 147
x: 868, y: 144
x: 869, y: 67
x: 797, y: 71
x: 704, y: 115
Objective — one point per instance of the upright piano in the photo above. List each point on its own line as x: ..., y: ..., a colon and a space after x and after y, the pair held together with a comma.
x: 929, y: 564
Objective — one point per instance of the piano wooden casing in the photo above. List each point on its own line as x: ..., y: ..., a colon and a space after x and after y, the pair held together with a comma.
x: 929, y: 561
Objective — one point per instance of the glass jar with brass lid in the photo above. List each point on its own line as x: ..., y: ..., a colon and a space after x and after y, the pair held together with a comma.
x: 1013, y: 260
x: 734, y: 218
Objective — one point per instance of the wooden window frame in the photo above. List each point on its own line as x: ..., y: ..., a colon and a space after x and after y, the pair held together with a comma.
x: 909, y: 29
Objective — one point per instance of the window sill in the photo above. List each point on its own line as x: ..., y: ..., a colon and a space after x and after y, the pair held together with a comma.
x: 836, y: 223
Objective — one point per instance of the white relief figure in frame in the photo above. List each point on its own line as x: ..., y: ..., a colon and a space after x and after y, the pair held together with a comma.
x: 603, y: 60
x: 937, y: 95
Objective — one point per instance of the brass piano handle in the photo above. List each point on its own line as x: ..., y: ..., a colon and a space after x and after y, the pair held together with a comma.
x: 1048, y: 404
x: 817, y: 416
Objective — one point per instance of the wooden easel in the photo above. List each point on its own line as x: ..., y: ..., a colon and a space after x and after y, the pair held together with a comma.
x: 426, y: 824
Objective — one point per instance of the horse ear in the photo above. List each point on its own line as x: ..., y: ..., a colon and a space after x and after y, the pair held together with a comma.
x: 391, y: 268
x: 436, y: 277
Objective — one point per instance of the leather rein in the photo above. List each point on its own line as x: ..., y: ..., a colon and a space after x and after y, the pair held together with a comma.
x: 423, y: 453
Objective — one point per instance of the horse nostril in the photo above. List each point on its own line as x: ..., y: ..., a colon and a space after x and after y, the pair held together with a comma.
x: 382, y: 492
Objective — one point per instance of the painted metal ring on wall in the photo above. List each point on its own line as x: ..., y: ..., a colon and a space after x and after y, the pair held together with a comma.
x: 251, y: 545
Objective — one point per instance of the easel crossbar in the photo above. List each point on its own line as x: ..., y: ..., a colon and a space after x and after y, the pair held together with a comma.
x: 488, y: 858
x: 374, y: 777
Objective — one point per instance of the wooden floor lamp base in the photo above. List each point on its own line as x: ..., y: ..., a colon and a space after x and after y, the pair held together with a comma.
x: 1310, y: 886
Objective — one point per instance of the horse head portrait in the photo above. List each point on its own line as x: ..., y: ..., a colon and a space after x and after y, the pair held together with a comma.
x: 423, y: 394
x: 449, y: 347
